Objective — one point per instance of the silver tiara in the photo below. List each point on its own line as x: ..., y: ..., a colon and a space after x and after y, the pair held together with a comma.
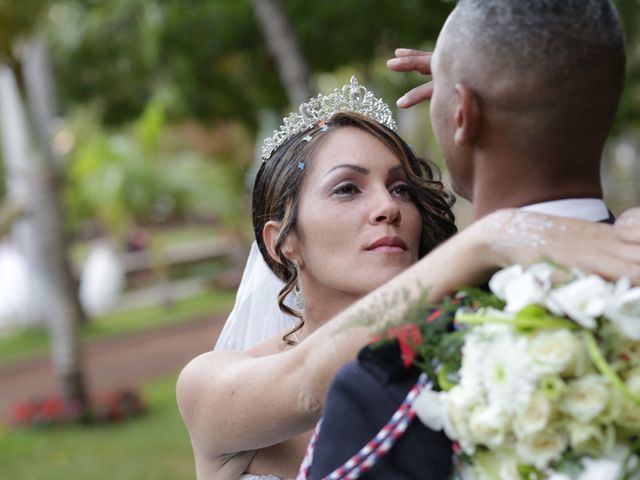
x: 352, y: 97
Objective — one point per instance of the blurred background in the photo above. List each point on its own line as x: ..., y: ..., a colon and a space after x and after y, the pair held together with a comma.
x: 129, y: 132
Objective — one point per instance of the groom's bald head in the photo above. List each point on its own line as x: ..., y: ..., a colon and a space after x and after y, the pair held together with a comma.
x: 548, y: 67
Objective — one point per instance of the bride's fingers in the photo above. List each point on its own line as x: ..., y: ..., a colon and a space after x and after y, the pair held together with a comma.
x: 408, y: 52
x: 610, y: 265
x: 629, y: 219
x: 629, y: 235
x: 416, y: 95
x: 412, y: 63
x: 615, y: 270
x: 622, y: 267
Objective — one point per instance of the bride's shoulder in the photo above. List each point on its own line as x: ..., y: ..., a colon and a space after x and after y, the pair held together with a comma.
x: 216, y: 371
x: 208, y: 368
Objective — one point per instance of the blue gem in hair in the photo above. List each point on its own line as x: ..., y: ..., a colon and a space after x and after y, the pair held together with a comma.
x: 301, y: 165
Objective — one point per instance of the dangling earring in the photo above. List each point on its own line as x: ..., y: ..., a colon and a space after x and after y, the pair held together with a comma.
x: 298, y: 290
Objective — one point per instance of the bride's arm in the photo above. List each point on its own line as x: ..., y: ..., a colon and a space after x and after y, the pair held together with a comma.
x: 233, y: 402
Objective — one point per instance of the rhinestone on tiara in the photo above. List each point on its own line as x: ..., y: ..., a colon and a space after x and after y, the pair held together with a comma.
x: 352, y: 97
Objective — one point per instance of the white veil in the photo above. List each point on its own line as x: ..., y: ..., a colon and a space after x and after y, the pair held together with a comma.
x: 256, y: 316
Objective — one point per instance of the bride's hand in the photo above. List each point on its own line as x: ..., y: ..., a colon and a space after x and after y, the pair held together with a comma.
x: 516, y: 236
x: 629, y: 219
x: 408, y: 60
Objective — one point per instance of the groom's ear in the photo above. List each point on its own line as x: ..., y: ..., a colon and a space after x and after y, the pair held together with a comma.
x: 270, y: 234
x: 466, y: 115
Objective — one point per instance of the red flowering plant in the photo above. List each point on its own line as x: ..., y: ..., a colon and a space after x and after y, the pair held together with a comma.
x: 429, y: 340
x: 111, y: 406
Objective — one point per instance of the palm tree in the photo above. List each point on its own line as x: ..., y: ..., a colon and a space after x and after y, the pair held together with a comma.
x: 284, y: 47
x: 35, y: 184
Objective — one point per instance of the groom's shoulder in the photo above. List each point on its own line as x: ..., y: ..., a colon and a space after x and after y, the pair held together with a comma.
x: 363, y: 397
x: 378, y: 368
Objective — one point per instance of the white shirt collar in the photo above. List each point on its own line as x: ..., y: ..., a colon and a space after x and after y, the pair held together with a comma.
x: 590, y: 209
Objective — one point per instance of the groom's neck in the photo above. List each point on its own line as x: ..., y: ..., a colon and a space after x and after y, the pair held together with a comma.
x: 508, y: 181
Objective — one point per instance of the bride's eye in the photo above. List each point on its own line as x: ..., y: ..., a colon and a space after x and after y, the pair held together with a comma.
x: 401, y: 190
x: 346, y: 189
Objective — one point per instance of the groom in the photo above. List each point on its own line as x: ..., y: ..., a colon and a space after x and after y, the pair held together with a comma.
x: 523, y: 96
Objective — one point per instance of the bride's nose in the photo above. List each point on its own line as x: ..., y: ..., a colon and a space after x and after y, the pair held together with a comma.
x: 385, y: 209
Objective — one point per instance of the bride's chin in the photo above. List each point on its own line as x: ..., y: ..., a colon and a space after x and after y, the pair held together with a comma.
x: 382, y: 276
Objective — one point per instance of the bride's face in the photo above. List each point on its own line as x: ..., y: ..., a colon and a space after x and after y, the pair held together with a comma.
x: 357, y: 225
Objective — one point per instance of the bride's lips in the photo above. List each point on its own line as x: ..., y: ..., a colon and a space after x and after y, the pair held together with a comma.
x: 388, y: 244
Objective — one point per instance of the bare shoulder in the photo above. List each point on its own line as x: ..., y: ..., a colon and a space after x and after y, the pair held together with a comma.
x: 212, y: 397
x: 212, y: 371
x: 203, y: 376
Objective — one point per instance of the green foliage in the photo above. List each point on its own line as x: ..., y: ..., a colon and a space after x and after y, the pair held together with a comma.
x: 134, y: 176
x: 212, y: 55
x: 122, y: 451
x: 106, y: 54
x: 17, y: 20
x: 629, y: 111
x: 354, y: 32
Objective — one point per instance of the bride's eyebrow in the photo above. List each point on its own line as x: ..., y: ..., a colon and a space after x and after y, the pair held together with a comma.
x: 355, y: 168
x: 362, y: 170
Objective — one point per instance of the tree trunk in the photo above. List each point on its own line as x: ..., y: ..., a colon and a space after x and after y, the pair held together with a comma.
x: 45, y: 236
x: 284, y: 47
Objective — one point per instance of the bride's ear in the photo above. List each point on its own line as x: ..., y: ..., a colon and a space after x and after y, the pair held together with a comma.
x: 270, y: 234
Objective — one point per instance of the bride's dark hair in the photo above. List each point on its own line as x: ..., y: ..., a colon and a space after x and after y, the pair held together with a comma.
x: 276, y: 194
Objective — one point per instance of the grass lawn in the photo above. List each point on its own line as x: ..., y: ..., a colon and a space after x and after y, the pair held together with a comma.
x: 30, y: 342
x: 154, y: 446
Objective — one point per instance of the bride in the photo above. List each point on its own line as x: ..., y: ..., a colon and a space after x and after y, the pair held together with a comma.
x: 349, y: 219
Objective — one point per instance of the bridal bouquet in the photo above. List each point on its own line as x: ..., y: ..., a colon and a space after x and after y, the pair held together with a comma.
x: 540, y: 379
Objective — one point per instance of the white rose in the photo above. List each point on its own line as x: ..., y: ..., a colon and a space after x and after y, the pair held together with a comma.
x: 502, y: 278
x: 430, y: 408
x: 586, y: 398
x: 541, y: 448
x: 623, y: 309
x: 558, y: 352
x: 458, y: 403
x: 519, y: 288
x: 534, y: 417
x: 582, y: 300
x: 501, y: 463
x: 488, y: 426
x: 599, y: 469
x: 629, y: 414
x: 609, y: 466
x: 591, y: 439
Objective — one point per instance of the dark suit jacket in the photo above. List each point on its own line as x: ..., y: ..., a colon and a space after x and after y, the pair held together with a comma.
x: 362, y: 398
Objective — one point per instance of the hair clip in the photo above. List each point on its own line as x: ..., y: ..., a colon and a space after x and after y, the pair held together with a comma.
x: 307, y: 138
